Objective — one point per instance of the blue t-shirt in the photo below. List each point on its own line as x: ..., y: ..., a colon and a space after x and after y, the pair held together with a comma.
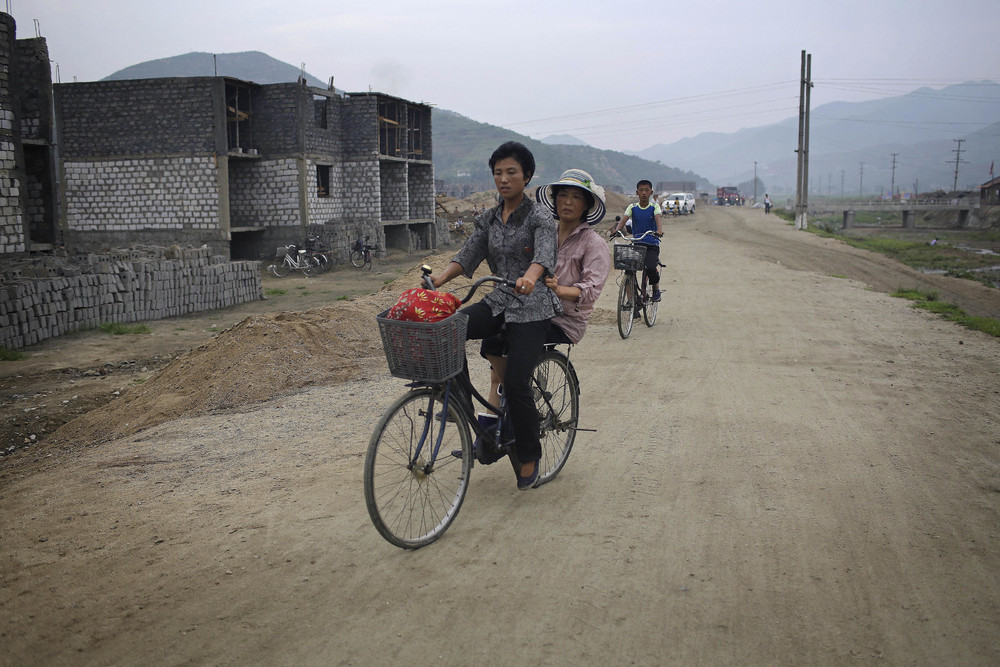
x: 643, y: 220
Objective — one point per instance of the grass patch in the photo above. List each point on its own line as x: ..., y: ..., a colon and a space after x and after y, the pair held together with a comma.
x: 7, y: 354
x: 784, y: 214
x: 119, y: 329
x: 343, y: 297
x: 275, y: 291
x: 919, y: 255
x: 929, y: 301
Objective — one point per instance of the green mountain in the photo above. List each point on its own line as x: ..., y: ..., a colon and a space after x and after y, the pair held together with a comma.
x: 462, y: 148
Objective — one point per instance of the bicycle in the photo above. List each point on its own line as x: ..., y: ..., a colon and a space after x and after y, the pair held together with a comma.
x: 361, y: 255
x: 414, y: 486
x: 290, y: 258
x: 630, y: 257
x: 319, y: 251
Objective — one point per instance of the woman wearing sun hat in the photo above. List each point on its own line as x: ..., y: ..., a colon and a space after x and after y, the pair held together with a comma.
x: 583, y: 262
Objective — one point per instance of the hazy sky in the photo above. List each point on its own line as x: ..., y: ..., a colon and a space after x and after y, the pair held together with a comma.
x: 618, y: 74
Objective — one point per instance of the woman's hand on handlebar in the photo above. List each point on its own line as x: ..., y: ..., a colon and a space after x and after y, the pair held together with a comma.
x: 524, y: 285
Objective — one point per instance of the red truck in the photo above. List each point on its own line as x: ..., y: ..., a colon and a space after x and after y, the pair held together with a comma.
x: 727, y: 196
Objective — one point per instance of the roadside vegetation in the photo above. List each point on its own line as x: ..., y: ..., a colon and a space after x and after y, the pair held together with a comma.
x: 119, y: 329
x: 966, y: 253
x: 929, y: 301
x: 7, y: 354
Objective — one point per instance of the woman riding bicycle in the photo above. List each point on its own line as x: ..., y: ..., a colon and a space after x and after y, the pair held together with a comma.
x: 582, y: 266
x: 517, y: 238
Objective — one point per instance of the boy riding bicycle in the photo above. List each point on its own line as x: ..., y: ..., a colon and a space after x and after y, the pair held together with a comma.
x: 645, y: 216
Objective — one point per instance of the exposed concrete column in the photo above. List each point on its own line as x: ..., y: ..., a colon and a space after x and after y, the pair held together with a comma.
x: 963, y: 218
x: 848, y: 219
x: 909, y: 219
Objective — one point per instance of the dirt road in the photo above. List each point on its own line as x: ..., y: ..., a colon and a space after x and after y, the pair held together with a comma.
x: 788, y: 468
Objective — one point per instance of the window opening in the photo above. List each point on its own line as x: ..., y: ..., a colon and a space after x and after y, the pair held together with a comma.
x: 321, y: 111
x: 414, y: 124
x: 239, y: 131
x: 390, y: 124
x: 322, y: 180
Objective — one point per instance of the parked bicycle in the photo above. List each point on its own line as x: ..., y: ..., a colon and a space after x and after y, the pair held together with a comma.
x: 292, y: 258
x: 319, y: 251
x: 629, y: 258
x: 414, y: 485
x: 363, y: 253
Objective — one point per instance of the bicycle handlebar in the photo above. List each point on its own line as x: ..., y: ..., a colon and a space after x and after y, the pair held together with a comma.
x: 425, y: 280
x: 637, y: 238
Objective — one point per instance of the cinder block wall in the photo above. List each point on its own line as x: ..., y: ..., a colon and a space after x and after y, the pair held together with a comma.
x: 12, y: 233
x: 150, y: 172
x: 45, y: 298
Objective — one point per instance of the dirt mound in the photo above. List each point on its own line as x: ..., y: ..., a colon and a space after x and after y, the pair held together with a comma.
x: 258, y: 359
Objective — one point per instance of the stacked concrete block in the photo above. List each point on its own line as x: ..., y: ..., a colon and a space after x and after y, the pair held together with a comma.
x: 420, y: 185
x: 264, y: 193
x: 138, y: 194
x: 123, y: 286
x: 395, y: 194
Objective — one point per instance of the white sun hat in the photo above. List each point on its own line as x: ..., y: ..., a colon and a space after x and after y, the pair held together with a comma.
x: 580, y: 179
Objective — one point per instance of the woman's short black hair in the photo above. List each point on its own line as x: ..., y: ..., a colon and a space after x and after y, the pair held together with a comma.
x: 588, y: 197
x: 521, y: 155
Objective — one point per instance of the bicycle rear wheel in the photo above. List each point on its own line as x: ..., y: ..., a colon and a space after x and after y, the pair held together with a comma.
x: 357, y: 259
x: 649, y: 308
x: 413, y: 486
x: 310, y: 266
x: 557, y: 398
x: 368, y: 259
x: 626, y: 304
x: 322, y: 261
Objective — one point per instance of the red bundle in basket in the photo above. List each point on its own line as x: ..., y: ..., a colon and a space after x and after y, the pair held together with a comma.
x: 424, y: 305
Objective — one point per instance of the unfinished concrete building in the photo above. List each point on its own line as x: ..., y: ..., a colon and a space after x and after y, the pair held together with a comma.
x: 242, y: 167
x: 27, y: 163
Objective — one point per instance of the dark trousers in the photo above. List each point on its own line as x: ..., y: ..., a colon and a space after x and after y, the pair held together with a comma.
x: 653, y: 264
x: 525, y: 342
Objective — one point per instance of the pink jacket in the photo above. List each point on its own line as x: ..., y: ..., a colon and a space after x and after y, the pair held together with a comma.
x: 583, y: 261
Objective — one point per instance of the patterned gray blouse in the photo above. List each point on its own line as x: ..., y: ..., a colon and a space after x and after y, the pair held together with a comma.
x: 528, y: 237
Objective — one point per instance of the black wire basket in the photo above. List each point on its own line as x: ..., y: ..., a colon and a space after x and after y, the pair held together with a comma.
x: 424, y: 351
x: 630, y: 257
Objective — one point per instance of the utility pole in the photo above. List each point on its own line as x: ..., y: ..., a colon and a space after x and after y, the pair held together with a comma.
x: 841, y: 183
x: 861, y: 182
x: 958, y: 159
x: 802, y: 183
x: 798, y: 149
x: 755, y: 181
x: 892, y: 185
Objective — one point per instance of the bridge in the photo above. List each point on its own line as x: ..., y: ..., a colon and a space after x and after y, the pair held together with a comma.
x: 965, y: 209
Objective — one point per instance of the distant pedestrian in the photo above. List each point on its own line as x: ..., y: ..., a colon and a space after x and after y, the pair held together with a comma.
x: 767, y: 204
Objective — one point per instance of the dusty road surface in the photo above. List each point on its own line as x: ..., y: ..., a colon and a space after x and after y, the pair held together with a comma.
x: 788, y: 468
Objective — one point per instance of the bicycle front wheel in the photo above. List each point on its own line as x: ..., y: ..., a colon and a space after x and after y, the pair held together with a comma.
x: 414, y: 487
x: 357, y: 259
x: 626, y: 305
x: 368, y: 260
x: 280, y: 268
x: 557, y: 398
